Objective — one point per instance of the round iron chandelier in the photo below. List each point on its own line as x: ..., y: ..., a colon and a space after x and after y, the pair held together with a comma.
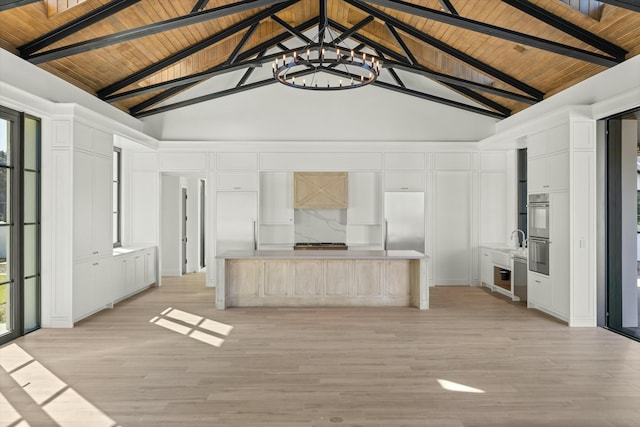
x: 325, y: 66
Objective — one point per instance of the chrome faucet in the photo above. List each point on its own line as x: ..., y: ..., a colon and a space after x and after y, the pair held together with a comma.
x: 524, y: 240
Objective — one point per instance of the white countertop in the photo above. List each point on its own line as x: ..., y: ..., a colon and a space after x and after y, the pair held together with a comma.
x: 322, y: 254
x: 514, y: 252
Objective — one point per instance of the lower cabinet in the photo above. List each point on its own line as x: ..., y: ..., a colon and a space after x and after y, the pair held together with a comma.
x: 539, y: 292
x: 98, y: 283
x: 486, y: 267
x: 92, y: 289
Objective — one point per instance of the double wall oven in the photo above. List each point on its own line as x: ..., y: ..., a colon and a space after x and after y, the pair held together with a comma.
x: 539, y: 233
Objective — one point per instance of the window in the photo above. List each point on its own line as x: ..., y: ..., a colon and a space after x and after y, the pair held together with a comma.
x: 117, y: 205
x: 19, y: 224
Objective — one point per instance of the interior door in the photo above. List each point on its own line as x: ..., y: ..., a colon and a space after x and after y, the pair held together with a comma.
x: 184, y: 231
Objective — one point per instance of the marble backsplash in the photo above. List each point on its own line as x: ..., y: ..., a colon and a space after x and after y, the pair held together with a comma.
x: 320, y: 225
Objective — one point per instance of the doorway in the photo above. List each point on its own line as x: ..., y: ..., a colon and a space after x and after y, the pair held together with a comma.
x: 184, y: 232
x: 622, y: 213
x: 19, y: 224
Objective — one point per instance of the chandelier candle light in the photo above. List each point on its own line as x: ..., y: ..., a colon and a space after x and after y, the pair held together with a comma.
x: 351, y: 69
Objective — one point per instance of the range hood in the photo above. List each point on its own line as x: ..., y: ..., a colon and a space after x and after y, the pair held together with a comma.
x: 320, y: 190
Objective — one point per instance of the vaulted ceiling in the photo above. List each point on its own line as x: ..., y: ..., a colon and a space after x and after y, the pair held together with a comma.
x: 500, y: 55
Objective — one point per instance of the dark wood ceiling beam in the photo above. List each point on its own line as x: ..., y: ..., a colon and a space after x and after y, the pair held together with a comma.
x: 480, y: 99
x: 457, y: 81
x: 448, y: 7
x: 236, y: 51
x: 243, y: 56
x: 347, y: 33
x: 371, y: 43
x: 440, y: 100
x: 215, y: 95
x: 200, y: 5
x: 567, y: 27
x: 10, y: 4
x: 170, y: 60
x: 291, y: 30
x: 495, y: 31
x: 450, y: 50
x: 74, y: 26
x: 626, y: 4
x: 322, y: 19
x: 155, y: 28
x: 403, y: 46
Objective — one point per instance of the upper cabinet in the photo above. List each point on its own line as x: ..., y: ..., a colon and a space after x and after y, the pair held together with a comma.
x: 276, y: 199
x: 364, y: 198
x: 320, y: 190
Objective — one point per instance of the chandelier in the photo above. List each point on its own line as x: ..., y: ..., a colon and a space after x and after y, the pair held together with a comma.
x: 325, y: 66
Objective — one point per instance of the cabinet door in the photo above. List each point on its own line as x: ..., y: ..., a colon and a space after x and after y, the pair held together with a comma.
x: 537, y: 175
x: 486, y: 270
x: 103, y: 283
x: 320, y: 190
x: 102, y: 206
x: 539, y: 290
x: 559, y: 251
x: 82, y: 205
x: 82, y: 289
x: 558, y: 171
x: 404, y: 181
x: 150, y: 266
x: 237, y: 181
x: 276, y: 189
x: 120, y: 279
x: 364, y: 198
x: 138, y: 259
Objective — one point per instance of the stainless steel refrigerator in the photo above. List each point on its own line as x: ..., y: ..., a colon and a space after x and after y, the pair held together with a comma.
x: 404, y: 220
x: 236, y: 227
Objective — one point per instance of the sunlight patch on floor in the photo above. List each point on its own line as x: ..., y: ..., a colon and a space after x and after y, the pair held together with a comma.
x: 59, y: 401
x: 451, y: 386
x: 193, y: 326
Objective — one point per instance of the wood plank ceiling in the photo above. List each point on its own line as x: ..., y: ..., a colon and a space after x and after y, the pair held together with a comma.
x: 504, y: 55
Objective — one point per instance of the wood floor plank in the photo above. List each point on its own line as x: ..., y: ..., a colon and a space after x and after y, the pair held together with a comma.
x: 321, y: 367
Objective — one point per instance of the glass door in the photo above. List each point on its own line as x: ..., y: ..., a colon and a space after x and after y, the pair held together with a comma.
x: 9, y: 298
x: 19, y: 224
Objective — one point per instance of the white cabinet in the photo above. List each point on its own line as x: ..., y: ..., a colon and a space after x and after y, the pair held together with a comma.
x: 240, y: 181
x: 92, y: 209
x: 276, y: 198
x: 486, y: 267
x: 550, y: 173
x: 150, y: 275
x: 404, y: 181
x: 364, y: 198
x: 92, y: 287
x: 559, y: 252
x: 539, y: 294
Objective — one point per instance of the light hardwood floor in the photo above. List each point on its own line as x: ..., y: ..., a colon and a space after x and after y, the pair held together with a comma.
x: 337, y: 366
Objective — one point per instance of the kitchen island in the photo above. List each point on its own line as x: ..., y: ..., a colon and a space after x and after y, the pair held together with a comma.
x: 288, y: 278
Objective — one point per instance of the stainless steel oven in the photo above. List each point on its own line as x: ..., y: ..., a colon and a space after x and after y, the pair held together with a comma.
x: 539, y: 215
x: 539, y: 255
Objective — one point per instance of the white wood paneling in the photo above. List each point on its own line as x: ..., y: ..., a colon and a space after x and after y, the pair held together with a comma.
x: 453, y: 161
x: 493, y: 161
x: 82, y: 137
x: 144, y: 161
x: 404, y: 161
x: 452, y: 228
x: 404, y: 181
x: 145, y: 208
x: 321, y: 161
x: 237, y: 161
x: 237, y: 181
x: 276, y: 198
x: 364, y: 198
x: 492, y: 214
x: 183, y: 161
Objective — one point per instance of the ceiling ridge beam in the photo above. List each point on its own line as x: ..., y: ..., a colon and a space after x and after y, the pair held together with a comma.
x: 155, y: 28
x: 71, y: 27
x: 438, y: 99
x: 468, y: 59
x: 499, y: 32
x: 373, y: 44
x: 625, y: 4
x: 568, y: 27
x: 178, y: 56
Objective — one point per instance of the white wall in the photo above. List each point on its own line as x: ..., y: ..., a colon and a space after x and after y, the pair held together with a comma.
x: 170, y: 230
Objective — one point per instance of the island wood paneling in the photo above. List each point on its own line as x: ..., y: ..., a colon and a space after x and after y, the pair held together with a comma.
x: 276, y: 278
x: 338, y: 276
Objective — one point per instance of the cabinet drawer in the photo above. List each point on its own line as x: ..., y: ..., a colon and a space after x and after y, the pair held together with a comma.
x: 238, y: 181
x: 501, y: 259
x: 404, y: 181
x: 539, y: 290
